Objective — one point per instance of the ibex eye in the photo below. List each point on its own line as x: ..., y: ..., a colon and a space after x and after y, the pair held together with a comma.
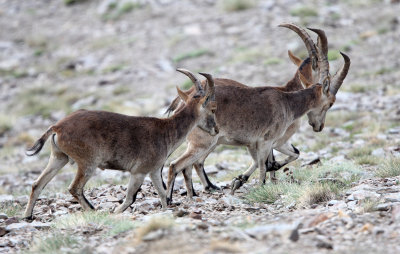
x: 213, y: 111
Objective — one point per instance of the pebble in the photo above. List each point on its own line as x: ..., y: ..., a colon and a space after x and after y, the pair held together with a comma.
x: 323, y: 242
x: 3, y: 216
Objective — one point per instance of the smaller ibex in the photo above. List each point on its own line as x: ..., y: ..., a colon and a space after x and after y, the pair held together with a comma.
x: 139, y: 145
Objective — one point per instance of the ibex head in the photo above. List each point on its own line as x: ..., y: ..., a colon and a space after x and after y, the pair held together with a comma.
x: 329, y: 85
x: 203, y: 102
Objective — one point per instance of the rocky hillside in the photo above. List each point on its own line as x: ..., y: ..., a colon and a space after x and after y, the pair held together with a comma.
x: 342, y: 195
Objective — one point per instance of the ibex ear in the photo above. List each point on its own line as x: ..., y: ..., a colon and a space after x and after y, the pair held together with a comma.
x: 304, y: 81
x: 182, y: 95
x: 297, y: 61
x: 325, y: 85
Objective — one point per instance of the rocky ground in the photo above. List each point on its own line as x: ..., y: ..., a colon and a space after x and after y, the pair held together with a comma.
x: 59, y: 56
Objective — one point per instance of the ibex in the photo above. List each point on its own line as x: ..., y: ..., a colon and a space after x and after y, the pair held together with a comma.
x: 139, y: 145
x: 263, y: 118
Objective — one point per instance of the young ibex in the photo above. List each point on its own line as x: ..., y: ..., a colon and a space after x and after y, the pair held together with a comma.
x: 139, y: 145
x: 264, y: 117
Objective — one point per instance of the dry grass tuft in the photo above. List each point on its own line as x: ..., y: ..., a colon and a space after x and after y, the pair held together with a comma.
x: 153, y: 224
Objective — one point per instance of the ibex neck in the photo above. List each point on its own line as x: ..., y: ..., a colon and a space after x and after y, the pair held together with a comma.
x: 294, y: 84
x: 179, y: 125
x: 303, y: 101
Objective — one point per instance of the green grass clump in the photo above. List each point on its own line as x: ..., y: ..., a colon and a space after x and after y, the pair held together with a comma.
x: 369, y: 205
x: 112, y: 224
x: 390, y: 168
x: 304, y: 11
x: 317, y: 185
x: 237, y: 5
x: 191, y: 54
x: 11, y: 209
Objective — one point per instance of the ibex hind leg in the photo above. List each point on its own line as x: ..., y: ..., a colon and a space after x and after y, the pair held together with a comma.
x: 273, y: 165
x: 56, y: 162
x: 76, y: 188
x: 135, y: 181
x: 190, y: 193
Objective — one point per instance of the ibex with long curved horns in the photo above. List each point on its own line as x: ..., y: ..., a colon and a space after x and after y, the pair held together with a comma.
x: 139, y: 145
x: 265, y: 113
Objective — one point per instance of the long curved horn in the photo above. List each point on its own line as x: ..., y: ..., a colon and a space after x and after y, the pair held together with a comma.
x: 323, y: 64
x: 211, y: 85
x: 193, y: 78
x: 322, y: 42
x: 340, y: 74
x: 312, y: 50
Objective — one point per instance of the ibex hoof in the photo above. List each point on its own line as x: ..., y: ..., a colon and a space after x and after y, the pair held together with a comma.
x: 212, y: 187
x: 275, y: 167
x: 169, y: 201
x: 238, y: 182
x: 28, y: 218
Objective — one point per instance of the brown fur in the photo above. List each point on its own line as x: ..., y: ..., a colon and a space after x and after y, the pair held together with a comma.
x: 139, y: 145
x: 245, y: 114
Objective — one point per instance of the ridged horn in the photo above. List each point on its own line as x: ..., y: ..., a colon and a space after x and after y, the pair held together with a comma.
x: 309, y: 43
x: 340, y: 74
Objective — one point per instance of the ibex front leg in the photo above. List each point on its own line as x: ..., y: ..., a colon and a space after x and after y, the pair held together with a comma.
x: 135, y: 182
x: 238, y: 181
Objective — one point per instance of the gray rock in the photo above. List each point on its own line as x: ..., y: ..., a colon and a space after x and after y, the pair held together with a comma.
x: 18, y: 226
x: 383, y: 207
x: 392, y: 197
x: 153, y: 235
x: 5, y: 198
x: 378, y: 152
x: 40, y: 225
x: 3, y: 231
x: 363, y: 194
x: 3, y: 216
x: 332, y: 202
x: 323, y: 242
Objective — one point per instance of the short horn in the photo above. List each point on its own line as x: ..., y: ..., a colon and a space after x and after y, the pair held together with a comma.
x: 312, y: 51
x: 193, y: 78
x: 211, y: 85
x: 341, y: 74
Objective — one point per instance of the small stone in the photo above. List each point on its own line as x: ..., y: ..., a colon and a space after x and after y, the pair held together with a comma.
x: 195, y: 216
x: 3, y: 231
x: 5, y: 198
x: 3, y: 216
x: 40, y: 225
x: 294, y: 235
x: 383, y: 207
x: 112, y: 199
x: 378, y: 152
x: 332, y: 202
x: 202, y: 226
x: 396, y: 213
x: 153, y: 235
x: 323, y: 242
x: 11, y: 221
x: 392, y: 197
x: 18, y: 226
x: 180, y: 213
x: 367, y: 227
x: 319, y: 218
